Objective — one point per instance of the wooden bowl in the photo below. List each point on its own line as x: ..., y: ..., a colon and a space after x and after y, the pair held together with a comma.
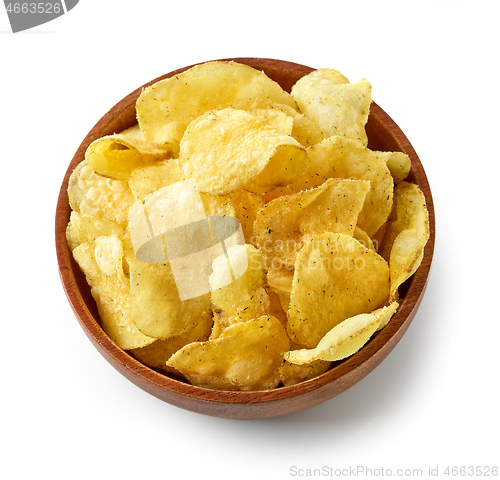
x: 383, y: 134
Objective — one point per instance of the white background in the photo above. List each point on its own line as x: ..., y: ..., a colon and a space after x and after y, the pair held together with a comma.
x: 434, y: 402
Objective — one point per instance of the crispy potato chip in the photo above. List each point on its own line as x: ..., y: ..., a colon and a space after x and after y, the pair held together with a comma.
x: 338, y: 157
x: 280, y: 282
x: 237, y: 283
x: 277, y: 192
x: 337, y: 107
x: 406, y: 235
x: 378, y: 237
x: 246, y: 205
x: 286, y: 223
x: 276, y: 308
x: 291, y: 374
x: 98, y: 196
x: 305, y: 131
x: 155, y: 305
x: 362, y: 237
x: 116, y: 156
x: 86, y: 228
x: 398, y: 164
x: 146, y: 180
x: 335, y: 278
x: 345, y: 339
x: 225, y: 150
x: 275, y: 119
x: 165, y: 109
x: 101, y: 261
x: 247, y: 356
x: 157, y: 354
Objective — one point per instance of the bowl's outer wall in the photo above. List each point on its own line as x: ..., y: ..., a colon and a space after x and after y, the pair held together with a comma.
x: 383, y: 134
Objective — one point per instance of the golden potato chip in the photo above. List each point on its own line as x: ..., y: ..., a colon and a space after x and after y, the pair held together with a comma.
x: 246, y: 205
x: 225, y: 150
x: 345, y: 339
x: 101, y: 197
x: 291, y: 373
x: 165, y: 109
x: 307, y: 133
x: 286, y: 223
x: 407, y: 233
x: 280, y: 282
x: 335, y: 278
x: 101, y: 261
x: 378, y: 237
x: 276, y: 308
x: 362, y: 237
x: 155, y: 304
x: 116, y: 156
x: 398, y: 164
x: 237, y: 283
x: 156, y: 354
x: 337, y: 107
x: 338, y: 157
x: 146, y: 180
x: 86, y: 228
x: 275, y: 119
x: 277, y: 192
x: 247, y: 356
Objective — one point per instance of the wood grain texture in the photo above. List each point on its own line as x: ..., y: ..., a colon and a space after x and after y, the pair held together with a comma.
x: 383, y: 134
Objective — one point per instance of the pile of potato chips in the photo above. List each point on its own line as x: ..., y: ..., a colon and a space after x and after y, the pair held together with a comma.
x: 330, y: 229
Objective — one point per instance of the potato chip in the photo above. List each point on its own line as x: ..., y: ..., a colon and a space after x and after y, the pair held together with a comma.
x: 98, y: 196
x: 237, y: 283
x: 101, y: 261
x: 398, y: 164
x: 305, y: 131
x: 225, y: 150
x: 116, y: 156
x: 155, y: 304
x: 146, y: 180
x: 156, y: 354
x: 335, y: 278
x: 362, y: 237
x: 291, y: 374
x: 276, y: 308
x: 339, y: 108
x: 246, y: 205
x: 278, y: 192
x: 280, y: 282
x: 86, y: 228
x: 338, y: 157
x: 165, y: 109
x: 407, y: 234
x: 284, y: 224
x: 247, y: 356
x: 345, y: 339
x: 275, y: 119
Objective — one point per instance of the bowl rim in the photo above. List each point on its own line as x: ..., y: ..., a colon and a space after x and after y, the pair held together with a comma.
x: 216, y: 402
